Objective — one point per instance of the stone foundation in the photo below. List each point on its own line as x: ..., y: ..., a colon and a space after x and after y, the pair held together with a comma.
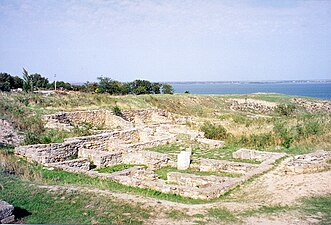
x: 82, y: 164
x: 127, y: 146
x: 308, y: 163
x: 104, y: 119
x: 225, y: 166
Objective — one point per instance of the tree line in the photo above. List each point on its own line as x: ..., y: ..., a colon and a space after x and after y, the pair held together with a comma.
x: 32, y: 82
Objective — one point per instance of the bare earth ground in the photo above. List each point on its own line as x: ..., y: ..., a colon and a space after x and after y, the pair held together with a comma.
x: 268, y: 190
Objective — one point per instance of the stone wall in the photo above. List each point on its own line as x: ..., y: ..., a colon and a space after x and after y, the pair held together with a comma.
x: 225, y: 166
x: 101, y: 158
x: 104, y: 119
x: 49, y: 153
x: 193, y: 180
x: 308, y: 163
x: 313, y: 105
x: 8, y: 134
x: 252, y: 105
x: 146, y: 116
x: 82, y: 164
x: 148, y: 158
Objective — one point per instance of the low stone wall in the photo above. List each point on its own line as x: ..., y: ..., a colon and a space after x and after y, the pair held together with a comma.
x: 153, y: 143
x: 8, y: 134
x: 255, y: 155
x: 193, y: 180
x: 6, y: 213
x: 146, y: 116
x: 308, y: 163
x: 252, y: 105
x: 101, y: 158
x: 49, y: 153
x: 313, y: 105
x: 98, y: 118
x: 82, y: 164
x: 148, y: 158
x: 225, y: 166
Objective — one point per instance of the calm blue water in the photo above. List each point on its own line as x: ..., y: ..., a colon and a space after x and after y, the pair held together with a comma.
x: 316, y: 90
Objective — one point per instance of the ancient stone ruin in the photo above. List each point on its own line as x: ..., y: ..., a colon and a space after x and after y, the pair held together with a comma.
x: 308, y: 163
x: 127, y: 142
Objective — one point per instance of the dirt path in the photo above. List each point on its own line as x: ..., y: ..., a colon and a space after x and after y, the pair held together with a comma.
x: 274, y: 189
x: 268, y: 190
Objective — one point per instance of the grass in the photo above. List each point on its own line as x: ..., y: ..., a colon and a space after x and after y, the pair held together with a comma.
x: 37, y: 205
x: 162, y: 172
x: 266, y: 210
x: 176, y: 214
x: 116, y: 168
x: 222, y: 214
x: 318, y: 205
x: 41, y: 175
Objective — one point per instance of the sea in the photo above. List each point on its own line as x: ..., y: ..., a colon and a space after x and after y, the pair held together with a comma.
x: 321, y: 90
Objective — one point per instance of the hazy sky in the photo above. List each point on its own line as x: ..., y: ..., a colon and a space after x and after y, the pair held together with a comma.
x: 167, y: 40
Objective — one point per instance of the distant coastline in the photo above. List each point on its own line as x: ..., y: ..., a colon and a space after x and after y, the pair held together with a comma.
x: 252, y: 82
x: 309, y: 88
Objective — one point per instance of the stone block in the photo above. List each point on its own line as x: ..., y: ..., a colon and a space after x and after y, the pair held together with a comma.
x: 183, y: 160
x: 6, y: 210
x: 7, y: 220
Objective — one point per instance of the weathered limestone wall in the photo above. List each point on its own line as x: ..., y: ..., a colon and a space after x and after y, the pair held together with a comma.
x: 252, y: 105
x: 98, y: 118
x: 308, y: 163
x: 101, y: 158
x: 225, y: 166
x: 313, y: 105
x: 8, y: 134
x: 49, y: 153
x: 143, y: 116
x: 148, y: 158
x: 82, y: 164
x: 254, y: 155
x: 193, y: 180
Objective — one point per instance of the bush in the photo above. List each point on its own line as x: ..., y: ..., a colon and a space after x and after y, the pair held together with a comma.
x: 216, y: 132
x: 285, y: 109
x: 283, y: 134
x: 117, y: 111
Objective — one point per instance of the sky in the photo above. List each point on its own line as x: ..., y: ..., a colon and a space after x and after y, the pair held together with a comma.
x: 211, y: 40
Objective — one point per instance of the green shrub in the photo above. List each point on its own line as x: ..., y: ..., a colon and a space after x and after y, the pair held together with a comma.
x: 83, y: 129
x: 216, y: 132
x: 117, y: 111
x: 285, y: 109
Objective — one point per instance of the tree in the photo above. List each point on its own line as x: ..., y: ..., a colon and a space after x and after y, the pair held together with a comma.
x: 141, y: 87
x: 90, y: 87
x: 108, y: 85
x: 32, y: 81
x: 5, y: 81
x: 39, y: 81
x: 8, y: 82
x: 4, y: 86
x: 126, y: 88
x: 27, y: 81
x: 17, y: 82
x: 167, y: 89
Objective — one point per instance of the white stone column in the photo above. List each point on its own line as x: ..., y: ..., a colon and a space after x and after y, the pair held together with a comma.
x: 183, y: 160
